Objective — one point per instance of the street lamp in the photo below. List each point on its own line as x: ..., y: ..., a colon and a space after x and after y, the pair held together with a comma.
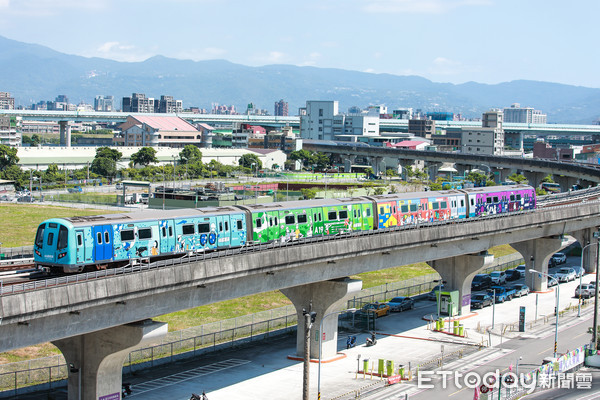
x: 581, y: 274
x: 555, y: 311
x: 352, y: 310
x: 309, y: 318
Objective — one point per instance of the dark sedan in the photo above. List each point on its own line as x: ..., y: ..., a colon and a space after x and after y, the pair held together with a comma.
x: 481, y: 281
x: 513, y: 275
x: 481, y: 300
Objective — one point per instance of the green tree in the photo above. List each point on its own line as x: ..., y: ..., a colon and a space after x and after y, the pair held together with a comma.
x: 104, y: 166
x: 8, y: 156
x: 247, y: 160
x: 308, y: 193
x: 36, y: 139
x: 144, y: 156
x: 303, y: 156
x: 321, y: 161
x: 477, y: 178
x: 107, y: 152
x: 369, y: 172
x: 379, y: 191
x: 190, y: 153
x: 25, y: 140
x: 548, y: 179
x: 517, y: 178
x: 14, y: 173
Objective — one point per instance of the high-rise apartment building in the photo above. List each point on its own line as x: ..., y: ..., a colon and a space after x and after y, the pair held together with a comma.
x: 138, y: 103
x: 421, y: 127
x: 10, y: 134
x: 524, y: 115
x: 168, y: 105
x: 321, y: 120
x: 281, y: 108
x: 104, y: 103
x: 6, y: 102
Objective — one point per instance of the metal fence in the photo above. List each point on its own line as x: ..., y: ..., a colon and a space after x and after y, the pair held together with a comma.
x: 16, y: 252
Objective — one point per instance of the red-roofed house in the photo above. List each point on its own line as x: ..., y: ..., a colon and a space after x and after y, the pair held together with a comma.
x: 409, y: 144
x: 155, y: 131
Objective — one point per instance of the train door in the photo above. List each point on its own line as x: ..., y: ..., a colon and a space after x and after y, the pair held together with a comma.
x: 238, y: 230
x: 453, y: 204
x: 79, y: 247
x: 317, y: 220
x: 167, y: 236
x: 102, y: 243
x: 223, y: 232
x: 472, y: 205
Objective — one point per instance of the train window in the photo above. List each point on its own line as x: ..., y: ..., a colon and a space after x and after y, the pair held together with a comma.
x: 394, y: 209
x: 106, y: 237
x: 52, y: 225
x: 472, y: 202
x: 332, y: 215
x: 368, y: 212
x: 380, y: 210
x: 164, y: 231
x: 404, y: 208
x: 79, y: 239
x: 258, y: 223
x: 276, y: 222
x: 145, y: 233
x: 488, y: 200
x: 413, y: 207
x: 187, y: 229
x: 127, y: 235
x: 512, y: 197
x: 239, y: 225
x: 495, y: 199
x: 98, y: 237
x: 302, y: 219
x: 226, y: 226
x: 289, y: 219
x: 518, y: 197
x: 435, y: 205
x: 343, y: 214
x: 270, y: 221
x: 204, y: 228
x: 50, y: 238
x: 220, y: 226
x: 39, y: 236
x: 61, y: 243
x: 170, y: 231
x: 444, y: 204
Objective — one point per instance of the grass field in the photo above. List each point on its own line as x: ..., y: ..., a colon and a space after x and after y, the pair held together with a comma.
x: 20, y: 224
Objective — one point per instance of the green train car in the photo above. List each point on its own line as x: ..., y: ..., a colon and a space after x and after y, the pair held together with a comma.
x: 298, y: 219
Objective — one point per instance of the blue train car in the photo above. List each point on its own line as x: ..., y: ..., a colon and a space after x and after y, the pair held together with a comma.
x: 72, y: 244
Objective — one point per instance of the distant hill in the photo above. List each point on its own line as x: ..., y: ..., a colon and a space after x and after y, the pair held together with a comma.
x: 32, y: 73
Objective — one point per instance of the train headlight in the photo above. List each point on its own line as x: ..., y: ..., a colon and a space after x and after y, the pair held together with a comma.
x: 38, y: 253
x: 61, y: 255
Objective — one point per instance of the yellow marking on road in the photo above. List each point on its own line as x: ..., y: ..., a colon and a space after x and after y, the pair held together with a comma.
x: 544, y: 351
x: 458, y: 391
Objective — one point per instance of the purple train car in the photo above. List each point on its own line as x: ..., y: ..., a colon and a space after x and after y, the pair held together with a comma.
x: 492, y: 200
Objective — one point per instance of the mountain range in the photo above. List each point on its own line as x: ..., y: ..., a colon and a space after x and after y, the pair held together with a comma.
x: 32, y: 73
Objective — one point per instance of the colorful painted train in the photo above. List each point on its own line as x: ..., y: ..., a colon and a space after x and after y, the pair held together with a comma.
x: 73, y: 244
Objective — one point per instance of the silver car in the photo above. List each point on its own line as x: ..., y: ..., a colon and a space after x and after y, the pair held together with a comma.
x: 565, y: 274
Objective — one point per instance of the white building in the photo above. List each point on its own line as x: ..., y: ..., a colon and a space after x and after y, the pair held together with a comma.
x: 489, y: 139
x: 10, y: 132
x: 321, y: 120
x: 524, y: 115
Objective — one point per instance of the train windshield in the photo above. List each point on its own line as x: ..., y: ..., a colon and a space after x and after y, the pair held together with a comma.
x: 62, y: 238
x: 39, y: 236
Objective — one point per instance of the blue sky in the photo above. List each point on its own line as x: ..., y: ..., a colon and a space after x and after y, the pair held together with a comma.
x: 486, y: 41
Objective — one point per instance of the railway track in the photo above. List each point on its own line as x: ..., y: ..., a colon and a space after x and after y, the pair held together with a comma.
x: 16, y: 264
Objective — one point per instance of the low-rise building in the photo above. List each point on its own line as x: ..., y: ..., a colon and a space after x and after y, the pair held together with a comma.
x: 157, y: 131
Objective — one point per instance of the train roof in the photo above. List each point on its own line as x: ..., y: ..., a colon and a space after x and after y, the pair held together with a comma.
x: 495, y: 189
x: 150, y: 215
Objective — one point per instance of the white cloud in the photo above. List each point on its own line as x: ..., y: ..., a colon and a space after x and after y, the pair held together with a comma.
x: 311, y: 61
x: 40, y: 8
x: 420, y: 6
x: 119, y: 52
x: 445, y: 66
x: 4, y: 3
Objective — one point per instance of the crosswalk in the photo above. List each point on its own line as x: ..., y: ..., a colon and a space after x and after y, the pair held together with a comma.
x: 165, y: 381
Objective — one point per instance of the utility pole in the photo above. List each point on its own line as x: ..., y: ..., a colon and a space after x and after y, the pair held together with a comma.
x: 309, y: 319
x: 595, y: 326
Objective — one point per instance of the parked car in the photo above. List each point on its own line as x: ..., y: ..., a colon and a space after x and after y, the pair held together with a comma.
x: 512, y: 275
x: 481, y: 300
x: 565, y: 274
x: 401, y: 303
x: 481, y: 281
x: 498, y: 277
x: 552, y: 281
x: 75, y: 189
x: 501, y: 293
x: 585, y: 290
x: 378, y: 309
x: 559, y: 258
x: 432, y: 295
x: 522, y: 269
x: 521, y: 289
x: 579, y: 271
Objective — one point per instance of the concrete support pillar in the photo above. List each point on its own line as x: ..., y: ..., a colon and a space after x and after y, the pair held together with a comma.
x: 500, y: 174
x: 565, y: 182
x: 534, y: 178
x: 326, y: 298
x: 403, y: 164
x: 586, y: 237
x: 537, y: 253
x: 95, y: 360
x: 432, y: 169
x: 348, y: 160
x: 458, y: 273
x: 65, y: 133
x: 462, y: 169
